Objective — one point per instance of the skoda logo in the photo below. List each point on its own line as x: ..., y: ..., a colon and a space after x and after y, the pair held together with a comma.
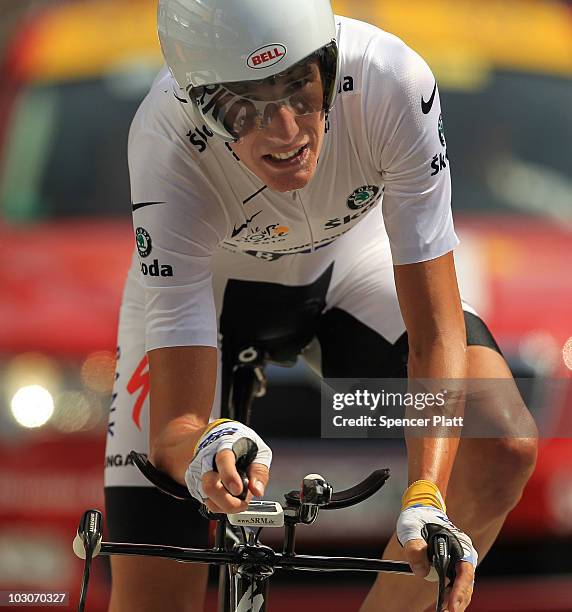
x: 362, y: 197
x: 143, y: 240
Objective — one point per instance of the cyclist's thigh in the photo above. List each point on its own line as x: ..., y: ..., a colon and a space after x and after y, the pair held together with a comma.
x: 135, y: 511
x: 362, y: 333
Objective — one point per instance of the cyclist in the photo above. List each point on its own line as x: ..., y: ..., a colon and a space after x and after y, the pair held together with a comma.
x: 259, y: 206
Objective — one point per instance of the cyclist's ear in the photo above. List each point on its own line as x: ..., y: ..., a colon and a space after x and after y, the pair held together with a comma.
x: 258, y: 476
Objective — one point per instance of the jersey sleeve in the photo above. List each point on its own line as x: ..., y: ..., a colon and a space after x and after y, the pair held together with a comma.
x: 404, y: 128
x: 178, y: 223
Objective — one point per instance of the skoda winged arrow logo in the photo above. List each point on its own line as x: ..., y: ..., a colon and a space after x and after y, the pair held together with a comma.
x: 362, y: 196
x: 143, y: 241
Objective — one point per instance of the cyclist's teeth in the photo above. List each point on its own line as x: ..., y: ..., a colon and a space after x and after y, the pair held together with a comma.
x: 285, y: 156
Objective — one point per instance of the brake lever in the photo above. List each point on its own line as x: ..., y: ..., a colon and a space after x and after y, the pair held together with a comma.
x: 87, y: 545
x: 245, y: 451
x: 444, y: 551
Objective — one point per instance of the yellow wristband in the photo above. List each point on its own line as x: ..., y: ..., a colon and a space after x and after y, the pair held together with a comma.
x: 423, y: 493
x: 210, y: 426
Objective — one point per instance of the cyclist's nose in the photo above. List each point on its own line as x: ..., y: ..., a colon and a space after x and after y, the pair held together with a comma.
x: 280, y: 122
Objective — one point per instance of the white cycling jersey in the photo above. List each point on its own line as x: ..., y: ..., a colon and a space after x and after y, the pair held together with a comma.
x: 197, y: 209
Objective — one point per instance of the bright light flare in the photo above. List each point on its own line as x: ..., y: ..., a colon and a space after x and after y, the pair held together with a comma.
x: 32, y: 406
x: 28, y: 369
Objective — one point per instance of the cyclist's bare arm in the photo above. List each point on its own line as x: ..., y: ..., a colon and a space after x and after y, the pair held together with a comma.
x: 183, y: 381
x: 431, y: 308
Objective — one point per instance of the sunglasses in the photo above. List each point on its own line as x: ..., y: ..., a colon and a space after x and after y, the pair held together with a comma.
x: 234, y: 110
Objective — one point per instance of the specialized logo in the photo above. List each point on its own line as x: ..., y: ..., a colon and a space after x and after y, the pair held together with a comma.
x: 156, y: 269
x: 139, y: 381
x: 362, y: 197
x: 236, y: 231
x: 267, y: 56
x: 441, y: 129
x: 143, y: 240
x: 427, y: 106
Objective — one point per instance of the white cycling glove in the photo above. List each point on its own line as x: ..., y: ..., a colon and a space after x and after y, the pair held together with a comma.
x: 419, y: 509
x: 220, y: 435
x: 412, y: 520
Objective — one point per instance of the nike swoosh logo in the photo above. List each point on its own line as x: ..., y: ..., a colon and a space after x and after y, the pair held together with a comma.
x: 427, y: 106
x: 244, y: 226
x: 143, y: 204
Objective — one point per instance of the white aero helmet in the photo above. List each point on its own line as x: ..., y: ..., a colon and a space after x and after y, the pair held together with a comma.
x: 237, y: 61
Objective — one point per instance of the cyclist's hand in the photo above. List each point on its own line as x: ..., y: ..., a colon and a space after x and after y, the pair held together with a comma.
x: 458, y: 595
x: 218, y: 489
x: 409, y: 533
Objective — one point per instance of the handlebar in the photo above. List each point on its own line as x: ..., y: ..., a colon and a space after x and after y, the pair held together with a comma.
x: 444, y: 549
x: 342, y: 499
x: 244, y: 450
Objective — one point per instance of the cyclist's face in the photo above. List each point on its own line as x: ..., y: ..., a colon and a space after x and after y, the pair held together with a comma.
x: 286, y: 134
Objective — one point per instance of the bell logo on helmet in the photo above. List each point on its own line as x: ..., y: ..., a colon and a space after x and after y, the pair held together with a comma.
x: 267, y: 56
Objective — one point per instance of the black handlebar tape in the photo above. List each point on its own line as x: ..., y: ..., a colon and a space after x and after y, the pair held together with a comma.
x: 443, y: 548
x: 245, y: 451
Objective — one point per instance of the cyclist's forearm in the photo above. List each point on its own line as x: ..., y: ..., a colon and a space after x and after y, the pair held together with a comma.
x: 183, y: 381
x: 432, y: 458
